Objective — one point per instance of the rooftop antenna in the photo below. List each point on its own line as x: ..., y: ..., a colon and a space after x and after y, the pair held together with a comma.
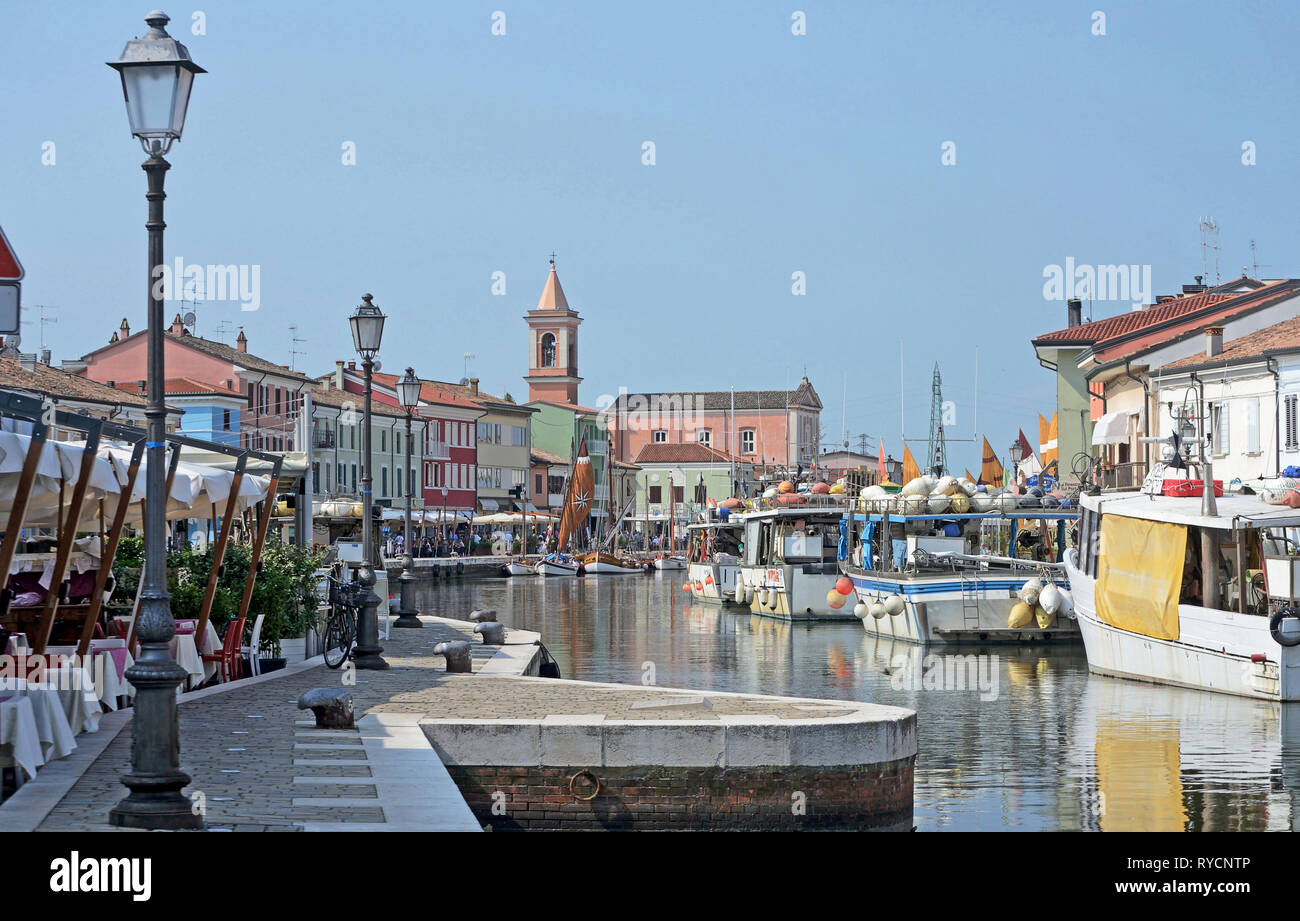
x: 1256, y: 265
x: 190, y: 317
x: 1209, y: 243
x: 222, y: 329
x: 469, y: 356
x: 294, y: 351
x: 44, y: 320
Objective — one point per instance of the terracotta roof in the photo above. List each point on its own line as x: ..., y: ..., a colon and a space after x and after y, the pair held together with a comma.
x: 553, y: 295
x: 721, y: 400
x: 689, y: 453
x: 1110, y: 327
x: 546, y: 457
x: 183, y: 386
x: 341, y: 399
x: 430, y: 391
x: 1280, y: 337
x: 42, y: 379
x: 480, y: 399
x: 572, y: 407
x: 234, y: 356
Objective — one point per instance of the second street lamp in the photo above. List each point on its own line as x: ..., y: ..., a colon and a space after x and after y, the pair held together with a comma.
x: 408, y: 394
x: 367, y: 332
x: 157, y: 75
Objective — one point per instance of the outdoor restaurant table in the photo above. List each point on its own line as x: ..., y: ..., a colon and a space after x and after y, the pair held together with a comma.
x: 118, y: 660
x: 78, y: 696
x: 20, y: 741
x: 187, y: 654
x: 52, y: 729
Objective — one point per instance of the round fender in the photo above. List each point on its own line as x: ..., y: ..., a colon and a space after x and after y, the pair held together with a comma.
x: 1275, y: 624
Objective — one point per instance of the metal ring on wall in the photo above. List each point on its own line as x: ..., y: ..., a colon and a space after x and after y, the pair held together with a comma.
x: 594, y: 779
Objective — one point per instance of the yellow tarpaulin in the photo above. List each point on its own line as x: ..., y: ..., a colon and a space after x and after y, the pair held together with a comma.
x: 1141, y: 575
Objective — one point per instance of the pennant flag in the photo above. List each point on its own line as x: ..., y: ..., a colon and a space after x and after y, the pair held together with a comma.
x: 1050, y: 454
x: 991, y: 472
x: 1025, y: 447
x: 881, y: 476
x: 969, y: 477
x: 910, y: 470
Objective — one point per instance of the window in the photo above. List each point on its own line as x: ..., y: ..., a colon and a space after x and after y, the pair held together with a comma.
x: 485, y: 433
x: 278, y: 391
x: 538, y: 489
x: 548, y: 350
x: 1289, y: 422
x: 555, y: 484
x: 679, y: 494
x: 656, y: 494
x: 1219, y: 424
x: 701, y: 493
x: 397, y: 481
x: 746, y: 441
x: 225, y: 420
x: 383, y: 439
x: 342, y: 478
x: 315, y: 477
x: 383, y: 481
x: 660, y: 436
x: 704, y: 437
x: 1252, y: 425
x: 354, y: 477
x: 518, y: 435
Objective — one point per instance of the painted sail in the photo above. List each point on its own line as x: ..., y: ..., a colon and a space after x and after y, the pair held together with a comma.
x: 991, y: 473
x: 1047, y: 440
x: 910, y: 470
x: 577, y: 504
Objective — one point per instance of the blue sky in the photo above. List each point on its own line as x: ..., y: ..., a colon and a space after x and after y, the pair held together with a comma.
x: 775, y: 153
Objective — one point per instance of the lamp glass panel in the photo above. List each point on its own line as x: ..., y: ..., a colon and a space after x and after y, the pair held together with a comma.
x: 150, y: 93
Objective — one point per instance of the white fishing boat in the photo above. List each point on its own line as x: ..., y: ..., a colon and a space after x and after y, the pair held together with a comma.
x: 1146, y: 611
x: 925, y: 579
x: 558, y: 564
x: 517, y: 568
x: 713, y: 551
x: 670, y: 563
x: 790, y: 565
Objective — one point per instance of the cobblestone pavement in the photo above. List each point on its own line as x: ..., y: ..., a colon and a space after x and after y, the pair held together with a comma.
x: 240, y: 746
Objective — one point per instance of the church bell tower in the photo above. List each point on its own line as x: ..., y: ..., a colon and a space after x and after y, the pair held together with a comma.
x: 553, y: 346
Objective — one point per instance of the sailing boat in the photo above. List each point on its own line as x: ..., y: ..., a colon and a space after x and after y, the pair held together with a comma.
x: 577, y: 505
x: 669, y: 560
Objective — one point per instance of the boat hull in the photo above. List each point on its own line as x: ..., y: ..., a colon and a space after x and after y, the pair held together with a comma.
x: 517, y: 569
x: 1213, y: 653
x: 607, y: 568
x: 717, y: 583
x: 947, y: 609
x: 669, y: 563
x: 553, y: 568
x: 790, y: 593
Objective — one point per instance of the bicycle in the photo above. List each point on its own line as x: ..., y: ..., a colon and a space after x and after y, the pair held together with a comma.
x: 341, y: 627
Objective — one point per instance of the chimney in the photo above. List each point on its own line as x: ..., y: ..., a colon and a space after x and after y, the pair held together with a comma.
x: 124, y: 330
x: 1074, y: 312
x: 352, y: 365
x: 241, y: 342
x: 110, y: 383
x: 112, y: 338
x: 1213, y: 341
x: 45, y: 357
x: 473, y: 385
x: 142, y: 386
x: 177, y: 326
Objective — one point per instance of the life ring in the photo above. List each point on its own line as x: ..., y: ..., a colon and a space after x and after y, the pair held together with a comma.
x: 1275, y: 622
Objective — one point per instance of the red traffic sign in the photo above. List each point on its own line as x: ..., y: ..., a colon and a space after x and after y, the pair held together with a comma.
x: 10, y: 268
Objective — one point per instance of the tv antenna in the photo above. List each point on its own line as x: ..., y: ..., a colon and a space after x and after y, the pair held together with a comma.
x: 223, y: 327
x: 294, y: 351
x: 1209, y: 243
x: 469, y: 356
x: 45, y: 319
x: 1255, y: 264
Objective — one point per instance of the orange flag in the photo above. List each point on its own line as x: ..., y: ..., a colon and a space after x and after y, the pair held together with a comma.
x: 970, y: 478
x: 881, y: 476
x: 578, y: 503
x: 910, y: 470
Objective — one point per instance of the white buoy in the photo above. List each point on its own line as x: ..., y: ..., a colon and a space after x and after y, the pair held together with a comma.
x: 1050, y: 598
x: 894, y: 605
x: 877, y: 610
x: 860, y: 610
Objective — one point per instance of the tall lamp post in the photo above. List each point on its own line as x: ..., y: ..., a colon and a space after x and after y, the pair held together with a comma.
x: 445, y: 534
x: 1017, y: 455
x: 408, y: 394
x: 367, y: 332
x: 157, y: 76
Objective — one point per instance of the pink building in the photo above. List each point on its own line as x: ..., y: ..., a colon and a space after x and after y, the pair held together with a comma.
x: 776, y: 428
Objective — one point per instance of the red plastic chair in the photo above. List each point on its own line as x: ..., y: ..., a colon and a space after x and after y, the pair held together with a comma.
x: 229, y: 656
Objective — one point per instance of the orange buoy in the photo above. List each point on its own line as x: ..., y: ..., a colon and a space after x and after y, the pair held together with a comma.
x: 786, y: 486
x: 686, y: 587
x: 821, y: 488
x: 709, y: 580
x: 844, y: 585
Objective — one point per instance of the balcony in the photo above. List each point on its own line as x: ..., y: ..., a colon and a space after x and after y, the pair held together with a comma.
x: 322, y: 439
x: 1123, y: 476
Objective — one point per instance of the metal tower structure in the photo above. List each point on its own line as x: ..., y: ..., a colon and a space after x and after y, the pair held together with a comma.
x: 938, y: 456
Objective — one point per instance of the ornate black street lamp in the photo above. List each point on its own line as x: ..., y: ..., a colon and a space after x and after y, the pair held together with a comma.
x: 408, y: 394
x: 157, y: 76
x: 367, y: 332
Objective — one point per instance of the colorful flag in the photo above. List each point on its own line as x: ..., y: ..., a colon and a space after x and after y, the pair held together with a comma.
x: 969, y: 477
x: 578, y: 502
x: 991, y: 472
x: 910, y: 470
x: 881, y: 475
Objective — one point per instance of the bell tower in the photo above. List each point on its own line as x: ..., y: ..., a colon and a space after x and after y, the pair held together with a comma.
x: 553, y: 346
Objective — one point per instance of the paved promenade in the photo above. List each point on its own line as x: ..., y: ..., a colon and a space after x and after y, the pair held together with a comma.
x: 259, y: 764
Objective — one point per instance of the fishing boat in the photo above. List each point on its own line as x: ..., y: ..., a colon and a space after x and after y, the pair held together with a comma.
x: 1194, y: 591
x: 517, y: 568
x: 790, y: 566
x: 928, y: 578
x: 605, y: 563
x: 558, y: 564
x: 713, y: 552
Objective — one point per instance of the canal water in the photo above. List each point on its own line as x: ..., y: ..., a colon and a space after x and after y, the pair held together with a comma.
x: 1011, y: 739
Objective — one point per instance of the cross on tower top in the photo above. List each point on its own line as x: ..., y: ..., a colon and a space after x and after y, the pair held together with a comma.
x: 552, y: 258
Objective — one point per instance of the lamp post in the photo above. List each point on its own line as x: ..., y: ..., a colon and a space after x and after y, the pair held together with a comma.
x: 1017, y: 455
x: 367, y: 332
x: 445, y: 535
x: 408, y: 394
x: 157, y: 76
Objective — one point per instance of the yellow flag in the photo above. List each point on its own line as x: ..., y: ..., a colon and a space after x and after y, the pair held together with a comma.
x: 910, y: 470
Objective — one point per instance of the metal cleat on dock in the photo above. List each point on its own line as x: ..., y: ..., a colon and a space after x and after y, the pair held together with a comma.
x: 493, y: 632
x: 485, y: 615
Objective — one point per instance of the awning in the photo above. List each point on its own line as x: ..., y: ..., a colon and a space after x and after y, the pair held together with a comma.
x: 489, y: 505
x: 1112, y: 428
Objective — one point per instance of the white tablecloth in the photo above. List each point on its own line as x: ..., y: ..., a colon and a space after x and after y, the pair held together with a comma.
x: 20, y: 741
x: 78, y: 696
x: 52, y: 729
x: 189, y: 655
x: 115, y: 685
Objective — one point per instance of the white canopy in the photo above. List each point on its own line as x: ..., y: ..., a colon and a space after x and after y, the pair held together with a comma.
x: 1112, y: 428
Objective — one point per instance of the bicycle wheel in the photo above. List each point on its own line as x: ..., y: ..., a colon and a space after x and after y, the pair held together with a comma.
x: 339, y: 636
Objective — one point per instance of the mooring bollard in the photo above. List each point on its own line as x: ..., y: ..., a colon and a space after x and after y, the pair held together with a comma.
x: 493, y: 632
x: 485, y: 615
x: 332, y: 706
x: 457, y: 655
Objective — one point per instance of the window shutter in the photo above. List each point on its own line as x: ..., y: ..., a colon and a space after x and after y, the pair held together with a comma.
x: 1252, y: 426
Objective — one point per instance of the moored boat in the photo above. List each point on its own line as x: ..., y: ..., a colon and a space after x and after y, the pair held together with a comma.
x: 558, y: 564
x: 603, y: 563
x: 713, y: 570
x: 790, y: 566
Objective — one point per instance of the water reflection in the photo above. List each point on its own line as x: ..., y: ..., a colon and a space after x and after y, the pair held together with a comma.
x: 1022, y: 739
